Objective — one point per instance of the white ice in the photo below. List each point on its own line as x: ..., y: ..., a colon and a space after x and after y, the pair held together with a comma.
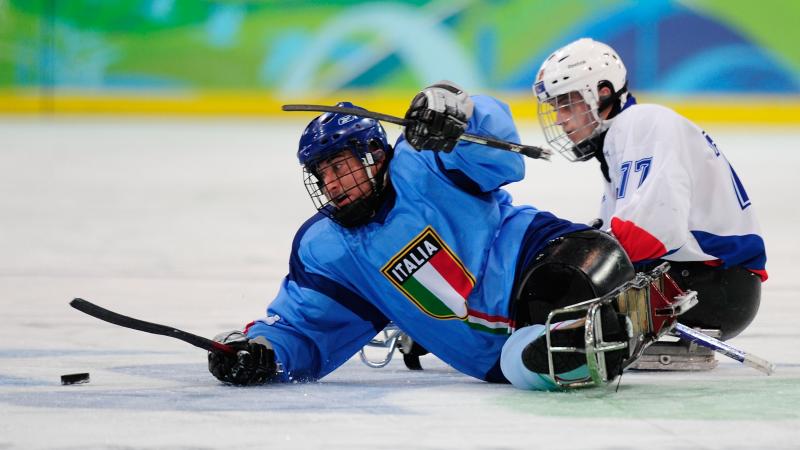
x: 189, y: 223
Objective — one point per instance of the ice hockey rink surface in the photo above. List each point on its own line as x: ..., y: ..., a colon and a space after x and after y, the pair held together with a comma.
x: 189, y: 223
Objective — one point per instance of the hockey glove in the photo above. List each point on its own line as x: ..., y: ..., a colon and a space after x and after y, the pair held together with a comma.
x: 253, y: 363
x: 596, y: 223
x: 439, y: 115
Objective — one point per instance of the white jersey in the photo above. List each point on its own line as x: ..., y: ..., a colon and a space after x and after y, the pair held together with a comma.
x: 674, y: 196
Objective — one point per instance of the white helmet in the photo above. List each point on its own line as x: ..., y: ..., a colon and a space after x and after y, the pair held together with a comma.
x: 579, y: 67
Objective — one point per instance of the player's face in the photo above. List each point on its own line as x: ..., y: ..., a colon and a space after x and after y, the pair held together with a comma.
x: 574, y: 116
x: 344, y: 179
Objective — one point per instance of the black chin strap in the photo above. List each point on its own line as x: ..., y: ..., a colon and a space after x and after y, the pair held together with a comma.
x: 597, y: 141
x: 612, y: 101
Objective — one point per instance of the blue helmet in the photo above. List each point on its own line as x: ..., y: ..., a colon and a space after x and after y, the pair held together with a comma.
x: 331, y: 134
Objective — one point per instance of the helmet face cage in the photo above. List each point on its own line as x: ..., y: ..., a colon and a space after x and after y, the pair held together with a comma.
x: 584, y: 122
x: 354, y: 171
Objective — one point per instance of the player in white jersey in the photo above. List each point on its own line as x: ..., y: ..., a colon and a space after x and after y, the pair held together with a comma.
x: 670, y: 193
x: 429, y: 241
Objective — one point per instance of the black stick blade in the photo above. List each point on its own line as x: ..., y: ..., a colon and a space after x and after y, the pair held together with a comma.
x: 148, y: 327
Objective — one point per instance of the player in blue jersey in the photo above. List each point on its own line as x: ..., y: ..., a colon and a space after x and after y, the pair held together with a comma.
x: 429, y: 241
x: 670, y: 193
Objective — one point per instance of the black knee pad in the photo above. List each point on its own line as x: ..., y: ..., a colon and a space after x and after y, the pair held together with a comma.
x: 728, y: 299
x: 573, y: 268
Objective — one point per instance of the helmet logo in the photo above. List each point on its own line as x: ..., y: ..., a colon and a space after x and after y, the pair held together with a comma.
x: 346, y: 119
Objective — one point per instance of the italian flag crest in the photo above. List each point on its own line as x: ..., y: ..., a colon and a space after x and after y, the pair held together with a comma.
x: 429, y: 274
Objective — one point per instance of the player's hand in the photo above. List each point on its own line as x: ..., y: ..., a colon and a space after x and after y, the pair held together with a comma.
x: 439, y: 115
x: 253, y: 362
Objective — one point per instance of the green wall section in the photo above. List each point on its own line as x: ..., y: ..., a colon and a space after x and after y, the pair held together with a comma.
x: 772, y: 24
x: 283, y: 49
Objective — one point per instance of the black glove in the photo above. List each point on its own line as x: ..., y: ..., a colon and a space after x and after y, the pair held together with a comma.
x: 439, y: 115
x: 596, y: 223
x: 253, y: 362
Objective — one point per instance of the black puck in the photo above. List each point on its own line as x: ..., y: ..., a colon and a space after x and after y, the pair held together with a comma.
x: 75, y: 378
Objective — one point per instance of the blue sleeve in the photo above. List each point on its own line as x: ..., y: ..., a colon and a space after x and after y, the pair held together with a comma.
x: 315, y: 323
x: 478, y: 168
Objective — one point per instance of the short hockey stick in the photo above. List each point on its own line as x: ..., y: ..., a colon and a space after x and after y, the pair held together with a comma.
x: 526, y: 150
x: 728, y: 350
x: 148, y: 327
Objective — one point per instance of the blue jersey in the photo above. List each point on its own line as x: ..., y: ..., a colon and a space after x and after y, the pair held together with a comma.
x: 439, y: 259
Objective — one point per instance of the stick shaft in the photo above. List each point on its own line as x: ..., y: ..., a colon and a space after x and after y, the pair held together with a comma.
x: 526, y: 150
x: 352, y: 111
x: 726, y: 349
x: 148, y: 327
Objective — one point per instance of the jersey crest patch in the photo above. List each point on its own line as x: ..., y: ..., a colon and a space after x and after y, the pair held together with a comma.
x: 429, y: 274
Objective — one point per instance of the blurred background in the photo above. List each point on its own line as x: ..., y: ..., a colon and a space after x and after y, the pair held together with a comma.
x: 713, y: 60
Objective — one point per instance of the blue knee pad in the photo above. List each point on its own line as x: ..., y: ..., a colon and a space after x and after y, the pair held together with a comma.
x: 519, y: 375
